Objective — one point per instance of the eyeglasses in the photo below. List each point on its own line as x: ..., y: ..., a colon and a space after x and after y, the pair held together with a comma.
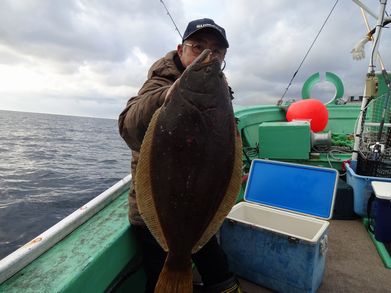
x: 199, y: 48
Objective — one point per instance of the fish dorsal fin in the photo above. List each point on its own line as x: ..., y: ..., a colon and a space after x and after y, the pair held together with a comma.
x: 143, y: 185
x: 229, y: 199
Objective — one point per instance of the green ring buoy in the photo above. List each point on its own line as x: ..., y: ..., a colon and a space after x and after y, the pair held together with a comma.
x: 315, y: 78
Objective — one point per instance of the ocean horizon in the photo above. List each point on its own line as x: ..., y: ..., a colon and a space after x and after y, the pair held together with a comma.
x: 59, y: 114
x: 50, y: 165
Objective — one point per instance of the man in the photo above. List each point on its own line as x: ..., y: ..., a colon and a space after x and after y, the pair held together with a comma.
x: 210, y: 261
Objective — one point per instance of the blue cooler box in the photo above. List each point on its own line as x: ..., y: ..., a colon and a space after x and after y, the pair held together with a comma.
x: 277, y: 238
x: 383, y: 214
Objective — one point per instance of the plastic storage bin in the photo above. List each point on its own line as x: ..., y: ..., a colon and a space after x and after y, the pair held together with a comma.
x: 362, y: 188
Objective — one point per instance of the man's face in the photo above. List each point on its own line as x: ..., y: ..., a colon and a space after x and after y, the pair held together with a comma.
x: 194, y: 45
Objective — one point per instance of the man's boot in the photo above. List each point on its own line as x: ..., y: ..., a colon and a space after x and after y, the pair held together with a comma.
x: 230, y: 285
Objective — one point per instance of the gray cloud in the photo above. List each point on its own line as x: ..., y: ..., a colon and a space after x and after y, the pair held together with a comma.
x: 94, y: 55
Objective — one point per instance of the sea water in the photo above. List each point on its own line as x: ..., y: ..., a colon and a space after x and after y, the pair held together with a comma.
x: 50, y: 165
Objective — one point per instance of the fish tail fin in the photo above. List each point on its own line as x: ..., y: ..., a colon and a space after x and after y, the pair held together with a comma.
x: 175, y: 280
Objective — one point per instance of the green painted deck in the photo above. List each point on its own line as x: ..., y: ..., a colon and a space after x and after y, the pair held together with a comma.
x: 75, y: 263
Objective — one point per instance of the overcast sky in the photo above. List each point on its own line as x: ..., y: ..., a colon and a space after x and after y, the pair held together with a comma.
x: 88, y: 57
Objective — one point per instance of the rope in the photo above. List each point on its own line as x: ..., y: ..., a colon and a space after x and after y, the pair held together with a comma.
x: 308, y: 51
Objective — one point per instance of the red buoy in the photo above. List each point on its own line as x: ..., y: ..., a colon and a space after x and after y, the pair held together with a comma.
x: 309, y: 109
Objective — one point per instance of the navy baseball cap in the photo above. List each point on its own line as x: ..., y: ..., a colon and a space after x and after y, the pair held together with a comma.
x: 204, y: 23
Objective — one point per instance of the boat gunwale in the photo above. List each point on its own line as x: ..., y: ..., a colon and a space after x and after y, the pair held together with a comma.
x: 26, y: 254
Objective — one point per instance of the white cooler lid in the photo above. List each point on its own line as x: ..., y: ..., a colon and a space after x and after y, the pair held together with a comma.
x: 382, y: 189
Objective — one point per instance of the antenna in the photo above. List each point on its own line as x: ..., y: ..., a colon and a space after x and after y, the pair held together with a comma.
x: 168, y: 13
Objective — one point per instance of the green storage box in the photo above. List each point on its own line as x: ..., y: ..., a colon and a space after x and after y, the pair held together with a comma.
x: 285, y: 140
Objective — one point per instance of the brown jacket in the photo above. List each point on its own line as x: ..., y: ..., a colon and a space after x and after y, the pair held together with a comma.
x: 134, y: 119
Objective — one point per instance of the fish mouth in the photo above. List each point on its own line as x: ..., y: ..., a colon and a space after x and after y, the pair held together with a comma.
x: 205, y: 59
x: 204, y: 75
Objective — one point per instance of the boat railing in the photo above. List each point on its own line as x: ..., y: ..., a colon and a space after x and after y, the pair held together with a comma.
x: 23, y: 256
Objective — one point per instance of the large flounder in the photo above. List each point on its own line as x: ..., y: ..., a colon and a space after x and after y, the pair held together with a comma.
x: 189, y: 172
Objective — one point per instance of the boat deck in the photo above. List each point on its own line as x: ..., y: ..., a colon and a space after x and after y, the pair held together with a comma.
x: 87, y: 259
x: 353, y: 263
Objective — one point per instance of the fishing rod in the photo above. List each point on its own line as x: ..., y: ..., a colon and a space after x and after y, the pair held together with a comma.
x: 306, y: 54
x: 169, y: 14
